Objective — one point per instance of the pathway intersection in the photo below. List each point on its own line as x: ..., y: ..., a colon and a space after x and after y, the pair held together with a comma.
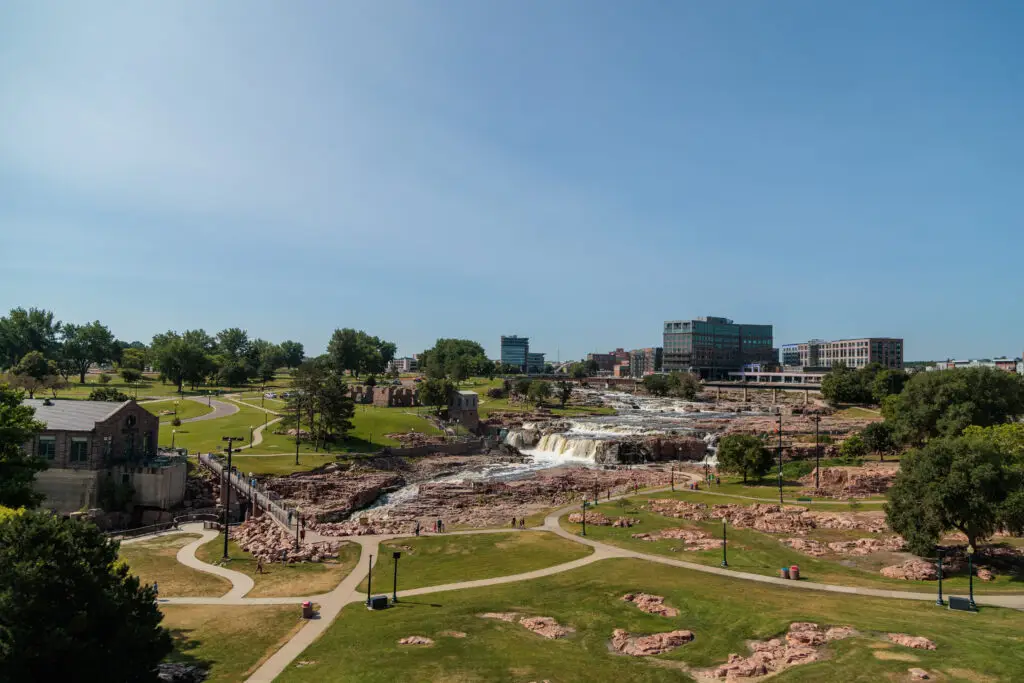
x: 346, y: 592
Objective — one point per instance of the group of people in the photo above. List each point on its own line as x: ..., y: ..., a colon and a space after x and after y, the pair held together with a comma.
x: 522, y: 523
x: 438, y: 526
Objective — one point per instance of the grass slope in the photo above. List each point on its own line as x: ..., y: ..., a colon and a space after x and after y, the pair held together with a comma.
x: 436, y: 560
x: 186, y: 409
x: 154, y: 560
x: 205, y: 436
x: 723, y: 614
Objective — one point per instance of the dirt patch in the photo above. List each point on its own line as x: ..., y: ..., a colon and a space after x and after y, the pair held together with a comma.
x: 501, y: 616
x: 416, y: 640
x: 889, y: 655
x: 453, y: 634
x: 652, y: 604
x: 969, y: 675
x: 645, y: 646
x: 542, y: 626
x: 916, y: 642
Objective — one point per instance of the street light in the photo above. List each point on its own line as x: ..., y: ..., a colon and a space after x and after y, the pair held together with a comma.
x: 394, y: 589
x: 173, y: 433
x: 584, y: 518
x: 227, y: 491
x: 369, y: 582
x: 250, y: 435
x: 970, y: 575
x: 940, y: 601
x: 725, y: 544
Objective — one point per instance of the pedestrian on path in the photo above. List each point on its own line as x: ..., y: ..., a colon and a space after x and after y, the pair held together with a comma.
x: 259, y: 565
x: 156, y: 590
x: 513, y: 522
x: 417, y: 527
x: 522, y: 522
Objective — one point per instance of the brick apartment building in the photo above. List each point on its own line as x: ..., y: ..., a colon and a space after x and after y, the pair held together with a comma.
x: 606, y: 362
x: 854, y: 353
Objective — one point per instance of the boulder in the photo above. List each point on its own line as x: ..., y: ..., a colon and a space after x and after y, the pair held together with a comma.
x: 171, y: 672
x: 652, y: 604
x: 415, y: 640
x: 916, y: 642
x: 911, y: 570
x: 918, y: 674
x: 986, y: 574
x: 546, y: 626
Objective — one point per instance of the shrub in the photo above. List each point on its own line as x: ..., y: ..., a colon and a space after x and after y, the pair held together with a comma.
x: 104, y: 378
x: 108, y: 394
x: 176, y: 422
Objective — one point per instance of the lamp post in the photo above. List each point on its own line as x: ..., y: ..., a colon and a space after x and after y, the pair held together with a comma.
x: 250, y: 435
x: 725, y: 545
x: 595, y: 493
x: 369, y: 581
x: 394, y: 588
x: 298, y: 420
x: 584, y: 518
x: 780, y: 456
x: 817, y: 468
x: 174, y: 432
x: 209, y: 401
x: 970, y: 576
x: 227, y: 492
x: 940, y: 601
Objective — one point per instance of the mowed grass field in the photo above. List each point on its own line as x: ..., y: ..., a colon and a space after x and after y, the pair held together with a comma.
x: 153, y: 561
x: 722, y: 613
x: 435, y: 560
x: 206, y: 436
x: 184, y: 409
x: 283, y: 580
x: 230, y: 641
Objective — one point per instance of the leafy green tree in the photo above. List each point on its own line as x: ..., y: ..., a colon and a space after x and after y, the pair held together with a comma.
x: 1007, y: 438
x: 592, y: 367
x: 684, y: 385
x: 878, y: 438
x: 292, y: 353
x: 539, y: 392
x: 262, y: 359
x: 888, y: 383
x: 853, y: 447
x: 461, y: 356
x: 522, y: 387
x: 960, y: 483
x: 104, y: 378
x: 459, y: 368
x: 436, y: 393
x: 108, y: 394
x: 84, y: 345
x: 336, y: 407
x: 564, y: 392
x: 744, y: 454
x: 133, y: 359
x: 233, y: 343
x: 69, y: 609
x: 130, y: 375
x: 371, y: 381
x: 845, y: 385
x: 186, y: 357
x: 945, y: 402
x: 22, y: 331
x: 33, y: 372
x: 578, y: 370
x: 17, y: 468
x: 656, y: 385
x: 357, y: 352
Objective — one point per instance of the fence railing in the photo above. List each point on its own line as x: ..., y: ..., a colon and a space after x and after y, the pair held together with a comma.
x: 280, y: 513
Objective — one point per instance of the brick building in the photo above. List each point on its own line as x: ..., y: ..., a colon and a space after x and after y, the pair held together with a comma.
x: 85, y: 442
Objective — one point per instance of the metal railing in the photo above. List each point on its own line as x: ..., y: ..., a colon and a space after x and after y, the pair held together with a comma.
x: 281, y: 514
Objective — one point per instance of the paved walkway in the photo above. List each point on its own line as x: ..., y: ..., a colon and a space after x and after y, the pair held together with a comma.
x: 220, y: 409
x: 345, y: 593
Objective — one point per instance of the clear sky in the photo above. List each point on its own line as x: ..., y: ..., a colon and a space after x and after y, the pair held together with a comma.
x: 576, y: 172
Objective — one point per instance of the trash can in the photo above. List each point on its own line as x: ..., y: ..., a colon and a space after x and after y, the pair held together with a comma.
x: 307, y: 610
x: 784, y: 572
x: 794, y: 572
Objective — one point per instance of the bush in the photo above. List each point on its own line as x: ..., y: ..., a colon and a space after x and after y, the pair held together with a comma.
x: 496, y: 392
x: 108, y: 394
x: 176, y: 422
x: 797, y: 469
x: 853, y: 448
x: 104, y: 378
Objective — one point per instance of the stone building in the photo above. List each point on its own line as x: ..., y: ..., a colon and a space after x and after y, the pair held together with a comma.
x: 386, y: 396
x: 463, y: 408
x: 88, y: 444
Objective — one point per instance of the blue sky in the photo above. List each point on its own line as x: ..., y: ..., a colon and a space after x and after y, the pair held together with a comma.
x: 576, y: 172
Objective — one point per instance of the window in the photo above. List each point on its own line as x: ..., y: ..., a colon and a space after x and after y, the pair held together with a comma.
x: 79, y: 450
x: 47, y: 447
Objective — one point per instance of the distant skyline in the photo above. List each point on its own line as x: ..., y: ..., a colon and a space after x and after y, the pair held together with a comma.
x: 576, y: 172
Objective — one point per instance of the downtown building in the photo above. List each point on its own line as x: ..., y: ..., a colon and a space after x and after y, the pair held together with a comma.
x: 606, y: 362
x: 854, y: 353
x: 515, y: 351
x: 713, y: 347
x: 643, y: 362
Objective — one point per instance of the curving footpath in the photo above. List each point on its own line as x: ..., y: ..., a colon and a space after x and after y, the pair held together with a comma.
x: 345, y: 593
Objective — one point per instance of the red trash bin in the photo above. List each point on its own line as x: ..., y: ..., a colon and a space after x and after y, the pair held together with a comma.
x: 307, y: 610
x: 794, y: 572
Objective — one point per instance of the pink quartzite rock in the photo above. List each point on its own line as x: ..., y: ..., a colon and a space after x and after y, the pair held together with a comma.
x: 803, y: 645
x: 916, y: 642
x: 546, y: 626
x: 911, y: 570
x: 652, y: 604
x: 595, y: 518
x: 416, y: 640
x: 918, y: 674
x: 645, y: 646
x: 986, y: 575
x: 625, y: 522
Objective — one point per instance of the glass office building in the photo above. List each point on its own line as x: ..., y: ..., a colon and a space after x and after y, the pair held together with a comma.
x: 713, y: 347
x: 515, y: 351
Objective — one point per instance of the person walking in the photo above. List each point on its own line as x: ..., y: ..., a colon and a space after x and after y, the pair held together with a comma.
x: 522, y: 522
x: 513, y: 522
x: 417, y: 527
x: 156, y: 590
x: 259, y: 565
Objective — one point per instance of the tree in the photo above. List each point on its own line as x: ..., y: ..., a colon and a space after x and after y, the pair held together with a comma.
x: 357, y: 352
x: 539, y: 392
x: 292, y: 353
x: 845, y: 385
x: 578, y: 370
x: 233, y: 342
x: 459, y: 368
x: 263, y: 359
x: 888, y: 383
x: 1007, y: 438
x: 744, y: 454
x: 522, y: 387
x: 877, y: 438
x: 456, y: 358
x: 371, y: 381
x: 133, y: 359
x: 17, y: 468
x: 945, y: 402
x: 130, y: 376
x: 436, y: 392
x: 184, y: 358
x: 86, y: 344
x: 33, y: 373
x: 591, y: 366
x: 656, y: 385
x: 108, y: 394
x: 67, y: 603
x: 564, y: 392
x: 684, y: 385
x: 23, y: 331
x: 336, y: 408
x: 853, y: 447
x: 960, y: 483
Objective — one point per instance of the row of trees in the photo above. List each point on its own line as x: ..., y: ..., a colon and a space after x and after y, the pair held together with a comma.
x: 870, y: 384
x: 229, y: 358
x: 679, y: 384
x: 321, y: 403
x: 457, y: 359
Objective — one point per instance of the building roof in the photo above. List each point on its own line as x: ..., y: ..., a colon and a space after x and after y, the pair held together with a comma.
x: 468, y: 393
x: 74, y: 416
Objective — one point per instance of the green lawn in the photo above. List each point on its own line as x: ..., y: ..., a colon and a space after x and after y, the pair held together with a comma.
x: 206, y: 436
x: 490, y: 405
x: 436, y: 560
x: 370, y: 424
x: 723, y: 614
x: 186, y: 409
x: 152, y: 387
x: 281, y: 465
x: 284, y: 580
x: 229, y: 640
x: 760, y: 553
x: 858, y: 412
x: 154, y: 560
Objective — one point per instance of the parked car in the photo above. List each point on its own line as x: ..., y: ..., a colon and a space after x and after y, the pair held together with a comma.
x: 270, y: 394
x: 286, y: 394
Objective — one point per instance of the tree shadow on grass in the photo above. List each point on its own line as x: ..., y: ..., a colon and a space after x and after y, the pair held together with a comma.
x: 184, y: 645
